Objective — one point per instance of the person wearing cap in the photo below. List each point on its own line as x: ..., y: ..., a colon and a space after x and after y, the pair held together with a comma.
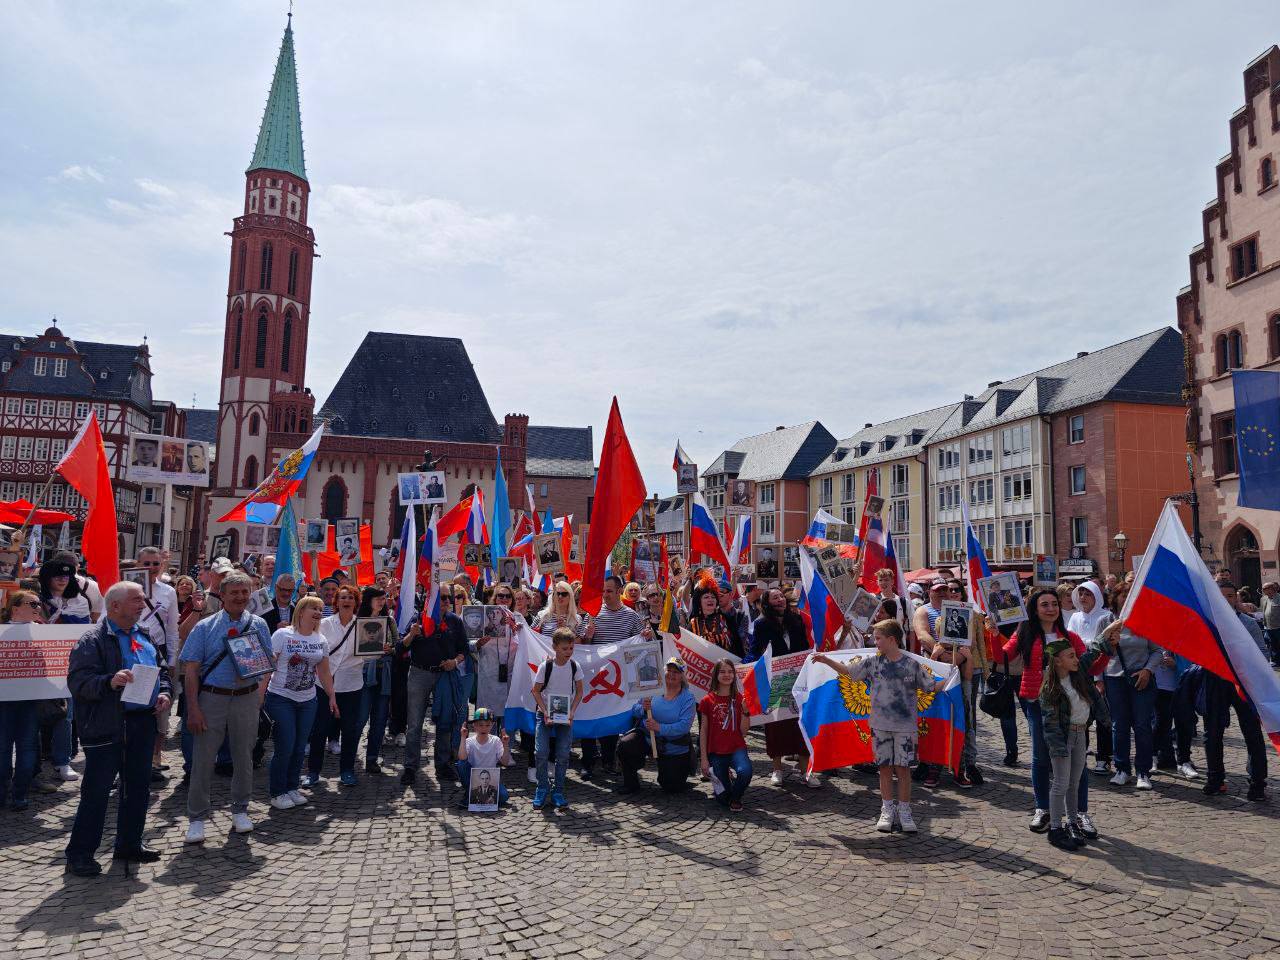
x: 924, y: 622
x: 669, y: 718
x: 65, y: 601
x: 481, y: 751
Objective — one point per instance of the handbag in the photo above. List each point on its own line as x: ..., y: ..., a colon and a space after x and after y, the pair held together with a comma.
x: 997, y: 698
x: 49, y: 712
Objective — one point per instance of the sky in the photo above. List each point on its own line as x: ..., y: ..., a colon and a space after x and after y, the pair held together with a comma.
x: 731, y: 215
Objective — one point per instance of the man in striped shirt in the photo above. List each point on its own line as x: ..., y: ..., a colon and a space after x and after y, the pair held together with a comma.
x: 614, y: 622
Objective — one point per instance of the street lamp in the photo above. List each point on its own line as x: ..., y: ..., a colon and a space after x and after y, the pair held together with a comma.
x: 1122, y: 545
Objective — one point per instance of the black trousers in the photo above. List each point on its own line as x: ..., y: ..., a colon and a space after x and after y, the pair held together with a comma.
x: 602, y: 749
x: 634, y: 750
x: 1220, y: 698
x: 131, y: 760
x: 1174, y: 728
x: 398, y: 717
x: 348, y: 725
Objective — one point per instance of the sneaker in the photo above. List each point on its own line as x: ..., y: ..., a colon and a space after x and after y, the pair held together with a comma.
x: 1086, y: 825
x: 335, y: 747
x: 904, y: 818
x: 1040, y: 821
x: 66, y: 773
x: 558, y: 801
x: 975, y: 776
x: 307, y: 781
x: 931, y: 778
x: 539, y: 798
x: 298, y: 797
x: 1102, y: 768
x: 1076, y: 834
x: 813, y: 781
x: 282, y: 802
x: 195, y: 832
x: 1059, y: 838
x: 41, y: 785
x: 962, y: 781
x: 348, y: 778
x: 1212, y: 789
x: 1120, y: 779
x: 1257, y: 792
x: 1010, y: 759
x: 777, y: 777
x: 885, y: 821
x: 241, y: 823
x: 399, y: 739
x: 1188, y: 770
x: 532, y: 775
x: 1144, y: 782
x: 373, y: 768
x: 735, y: 806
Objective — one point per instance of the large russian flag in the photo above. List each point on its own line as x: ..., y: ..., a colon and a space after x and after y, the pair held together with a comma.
x: 704, y: 538
x: 835, y: 714
x: 740, y: 551
x: 823, y: 610
x: 1175, y: 602
x: 263, y: 505
x: 407, y: 572
x: 757, y: 684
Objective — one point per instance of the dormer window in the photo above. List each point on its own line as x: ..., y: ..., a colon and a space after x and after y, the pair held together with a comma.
x: 41, y: 364
x: 60, y: 367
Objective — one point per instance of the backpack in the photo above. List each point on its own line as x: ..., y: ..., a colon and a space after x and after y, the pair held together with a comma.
x: 546, y: 672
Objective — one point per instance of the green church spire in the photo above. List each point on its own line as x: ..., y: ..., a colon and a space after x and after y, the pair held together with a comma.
x: 279, y: 144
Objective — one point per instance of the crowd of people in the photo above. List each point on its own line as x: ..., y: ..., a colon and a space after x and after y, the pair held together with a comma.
x: 1070, y: 668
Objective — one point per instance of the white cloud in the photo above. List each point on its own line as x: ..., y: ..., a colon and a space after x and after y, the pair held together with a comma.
x: 81, y: 173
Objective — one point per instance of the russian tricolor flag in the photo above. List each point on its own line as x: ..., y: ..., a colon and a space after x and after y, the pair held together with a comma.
x: 407, y: 571
x: 827, y: 616
x: 976, y: 566
x: 680, y: 459
x: 426, y: 575
x: 704, y: 538
x: 757, y: 684
x: 740, y: 551
x: 874, y: 553
x: 1175, y: 602
x: 263, y: 505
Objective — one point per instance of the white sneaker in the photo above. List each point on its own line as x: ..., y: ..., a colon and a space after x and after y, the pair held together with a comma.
x: 532, y: 775
x: 1102, y: 768
x: 1120, y: 779
x: 1144, y: 782
x: 814, y: 781
x: 399, y: 739
x: 777, y: 777
x: 195, y: 832
x: 282, y: 802
x: 904, y: 818
x: 885, y: 822
x: 66, y: 773
x: 298, y: 797
x: 241, y: 823
x: 1188, y: 770
x: 335, y: 747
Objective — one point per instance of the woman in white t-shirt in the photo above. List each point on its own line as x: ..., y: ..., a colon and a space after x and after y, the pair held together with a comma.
x: 348, y: 688
x: 302, y: 661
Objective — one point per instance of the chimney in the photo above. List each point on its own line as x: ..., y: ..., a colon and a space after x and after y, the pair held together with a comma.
x: 779, y: 428
x: 968, y: 396
x: 866, y: 426
x: 993, y: 383
x: 1082, y: 353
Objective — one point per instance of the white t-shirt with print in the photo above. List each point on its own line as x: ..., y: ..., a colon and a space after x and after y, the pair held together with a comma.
x: 296, y: 660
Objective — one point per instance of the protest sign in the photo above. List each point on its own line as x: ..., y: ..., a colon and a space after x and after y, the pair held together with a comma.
x: 33, y: 659
x: 700, y: 657
x: 158, y: 459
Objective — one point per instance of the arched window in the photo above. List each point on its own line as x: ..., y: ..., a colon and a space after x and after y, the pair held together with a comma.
x: 250, y: 472
x: 244, y: 261
x: 1220, y: 354
x: 264, y: 268
x: 1235, y: 352
x: 260, y: 347
x: 286, y: 341
x: 293, y: 271
x: 334, y: 499
x: 239, y: 334
x: 255, y: 424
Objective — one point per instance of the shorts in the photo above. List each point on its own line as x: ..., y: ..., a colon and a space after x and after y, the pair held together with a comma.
x: 894, y: 749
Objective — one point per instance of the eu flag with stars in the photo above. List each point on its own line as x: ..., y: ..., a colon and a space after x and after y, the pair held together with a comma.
x: 1257, y: 395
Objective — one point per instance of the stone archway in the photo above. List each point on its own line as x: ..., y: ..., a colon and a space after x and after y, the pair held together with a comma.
x: 1241, y: 555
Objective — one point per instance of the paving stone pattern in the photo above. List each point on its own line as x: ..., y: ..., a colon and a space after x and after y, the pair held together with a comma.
x: 382, y: 871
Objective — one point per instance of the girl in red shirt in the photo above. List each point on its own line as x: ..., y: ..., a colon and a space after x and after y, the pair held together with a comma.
x: 723, y: 736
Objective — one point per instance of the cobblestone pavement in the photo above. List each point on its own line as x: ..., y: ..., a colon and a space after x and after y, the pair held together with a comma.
x: 377, y: 870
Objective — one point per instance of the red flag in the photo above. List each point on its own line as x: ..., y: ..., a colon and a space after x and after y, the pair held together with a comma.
x: 571, y: 570
x: 866, y: 517
x: 454, y: 520
x: 663, y: 563
x: 619, y: 494
x: 84, y: 466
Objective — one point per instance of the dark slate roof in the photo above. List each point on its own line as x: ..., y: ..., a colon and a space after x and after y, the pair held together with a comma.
x: 559, y: 452
x: 1145, y: 369
x: 920, y: 427
x: 787, y: 453
x: 95, y: 371
x: 410, y: 387
x: 202, y: 425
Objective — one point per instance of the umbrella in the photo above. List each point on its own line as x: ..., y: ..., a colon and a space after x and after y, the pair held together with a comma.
x: 922, y: 575
x: 16, y: 511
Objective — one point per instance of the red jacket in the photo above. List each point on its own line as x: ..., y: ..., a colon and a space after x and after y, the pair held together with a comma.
x: 1033, y: 668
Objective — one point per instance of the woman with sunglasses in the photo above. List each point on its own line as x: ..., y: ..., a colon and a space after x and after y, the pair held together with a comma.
x: 561, y: 611
x: 19, y: 731
x: 347, y: 671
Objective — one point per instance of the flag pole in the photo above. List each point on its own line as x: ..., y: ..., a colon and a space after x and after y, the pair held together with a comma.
x: 44, y: 491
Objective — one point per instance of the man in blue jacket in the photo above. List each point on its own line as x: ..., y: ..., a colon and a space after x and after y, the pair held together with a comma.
x: 117, y: 737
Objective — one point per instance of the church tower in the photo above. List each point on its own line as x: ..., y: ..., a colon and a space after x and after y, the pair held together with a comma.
x: 264, y: 407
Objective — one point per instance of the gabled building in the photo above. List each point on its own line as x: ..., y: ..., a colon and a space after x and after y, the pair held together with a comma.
x: 893, y: 453
x: 1061, y: 460
x: 779, y: 463
x: 560, y: 468
x: 1229, y: 316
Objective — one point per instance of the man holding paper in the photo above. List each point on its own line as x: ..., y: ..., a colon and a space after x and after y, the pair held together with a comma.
x: 120, y: 687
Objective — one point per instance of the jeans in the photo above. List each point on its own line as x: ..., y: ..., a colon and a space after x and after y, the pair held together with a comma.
x: 291, y: 723
x: 1131, y: 709
x: 61, y: 744
x: 131, y: 761
x: 18, y: 733
x: 1273, y: 641
x: 374, y: 709
x: 399, y: 695
x: 969, y: 690
x: 464, y: 775
x: 740, y: 764
x: 349, y: 723
x: 1220, y: 698
x: 1173, y: 730
x: 1040, y: 766
x: 543, y: 735
x: 1066, y: 771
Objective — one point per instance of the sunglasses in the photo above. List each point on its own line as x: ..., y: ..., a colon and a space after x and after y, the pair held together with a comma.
x: 561, y: 593
x: 502, y: 596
